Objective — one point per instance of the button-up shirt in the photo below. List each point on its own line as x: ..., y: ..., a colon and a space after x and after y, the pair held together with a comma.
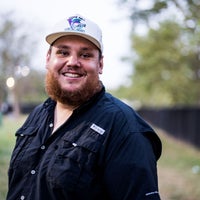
x: 104, y: 151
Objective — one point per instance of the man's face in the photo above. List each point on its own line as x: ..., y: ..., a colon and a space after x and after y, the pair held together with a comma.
x: 73, y: 65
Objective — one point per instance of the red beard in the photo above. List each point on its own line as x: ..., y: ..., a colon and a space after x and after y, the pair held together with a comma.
x: 75, y: 98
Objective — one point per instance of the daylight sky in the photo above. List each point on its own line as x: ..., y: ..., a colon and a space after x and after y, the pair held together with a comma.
x: 106, y: 14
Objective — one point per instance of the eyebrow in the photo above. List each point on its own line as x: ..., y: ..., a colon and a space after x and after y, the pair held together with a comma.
x: 61, y: 47
x: 67, y: 47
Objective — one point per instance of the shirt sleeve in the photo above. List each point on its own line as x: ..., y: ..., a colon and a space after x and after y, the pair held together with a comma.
x: 131, y: 169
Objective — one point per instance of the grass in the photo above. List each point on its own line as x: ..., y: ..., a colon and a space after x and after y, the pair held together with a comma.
x: 178, y: 179
x: 7, y: 141
x: 178, y: 170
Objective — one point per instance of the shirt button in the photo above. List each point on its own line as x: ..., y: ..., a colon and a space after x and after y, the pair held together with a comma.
x: 51, y: 125
x: 42, y: 147
x: 74, y: 144
x: 32, y: 172
x: 22, y: 197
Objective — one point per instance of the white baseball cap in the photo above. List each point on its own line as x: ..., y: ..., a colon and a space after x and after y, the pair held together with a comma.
x: 77, y: 25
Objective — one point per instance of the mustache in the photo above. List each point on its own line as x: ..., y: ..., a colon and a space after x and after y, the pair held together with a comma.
x: 73, y: 69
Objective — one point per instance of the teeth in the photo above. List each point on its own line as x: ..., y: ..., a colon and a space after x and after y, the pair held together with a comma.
x: 70, y: 75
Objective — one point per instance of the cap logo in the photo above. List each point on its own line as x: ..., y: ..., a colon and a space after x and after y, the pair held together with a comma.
x: 76, y: 23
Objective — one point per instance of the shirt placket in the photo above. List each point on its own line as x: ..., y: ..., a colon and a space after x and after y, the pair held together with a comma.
x: 31, y: 177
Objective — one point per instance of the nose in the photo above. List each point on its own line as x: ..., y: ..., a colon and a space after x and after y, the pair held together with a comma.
x: 73, y: 61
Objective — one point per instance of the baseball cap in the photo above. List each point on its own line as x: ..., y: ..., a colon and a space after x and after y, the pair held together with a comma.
x: 77, y: 25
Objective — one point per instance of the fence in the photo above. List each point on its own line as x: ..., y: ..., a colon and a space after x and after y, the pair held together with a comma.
x: 183, y: 123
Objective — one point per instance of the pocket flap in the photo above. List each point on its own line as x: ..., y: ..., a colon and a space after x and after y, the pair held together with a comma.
x: 26, y: 131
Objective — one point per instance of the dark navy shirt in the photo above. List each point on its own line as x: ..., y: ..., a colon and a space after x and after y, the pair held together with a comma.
x: 104, y: 151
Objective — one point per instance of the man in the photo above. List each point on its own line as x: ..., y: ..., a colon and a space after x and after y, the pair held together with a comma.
x: 82, y: 143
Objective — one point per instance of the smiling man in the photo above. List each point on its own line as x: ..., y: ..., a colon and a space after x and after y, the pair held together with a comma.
x: 82, y: 143
x: 74, y: 65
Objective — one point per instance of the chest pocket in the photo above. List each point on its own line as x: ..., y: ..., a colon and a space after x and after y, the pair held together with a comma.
x: 76, y: 160
x: 24, y: 138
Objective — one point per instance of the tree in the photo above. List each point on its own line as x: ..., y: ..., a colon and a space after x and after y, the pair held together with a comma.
x: 31, y: 88
x: 17, y: 49
x: 167, y: 68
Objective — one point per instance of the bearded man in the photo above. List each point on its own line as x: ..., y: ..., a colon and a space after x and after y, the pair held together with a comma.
x: 82, y: 143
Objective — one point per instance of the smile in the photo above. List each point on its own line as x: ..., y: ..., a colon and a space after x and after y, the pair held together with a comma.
x: 72, y: 75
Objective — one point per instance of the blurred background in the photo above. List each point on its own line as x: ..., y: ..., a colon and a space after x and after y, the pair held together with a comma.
x: 152, y: 62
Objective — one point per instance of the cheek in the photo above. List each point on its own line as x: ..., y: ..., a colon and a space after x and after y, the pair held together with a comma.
x: 93, y: 68
x: 53, y: 64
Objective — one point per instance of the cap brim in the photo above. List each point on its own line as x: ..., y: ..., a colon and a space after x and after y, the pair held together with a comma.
x: 51, y: 38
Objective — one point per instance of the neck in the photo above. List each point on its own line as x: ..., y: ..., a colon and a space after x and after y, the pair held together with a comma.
x: 61, y: 114
x: 61, y: 107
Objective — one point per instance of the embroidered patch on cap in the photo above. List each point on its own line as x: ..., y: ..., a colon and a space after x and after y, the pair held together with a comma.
x: 77, y: 23
x: 97, y: 129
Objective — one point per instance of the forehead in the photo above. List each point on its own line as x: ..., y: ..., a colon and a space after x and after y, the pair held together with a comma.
x: 74, y: 40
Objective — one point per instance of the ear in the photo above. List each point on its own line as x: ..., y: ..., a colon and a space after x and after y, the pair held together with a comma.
x: 101, y: 66
x: 48, y: 58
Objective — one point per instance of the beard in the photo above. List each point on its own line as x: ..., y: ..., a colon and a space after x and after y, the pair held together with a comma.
x: 72, y: 98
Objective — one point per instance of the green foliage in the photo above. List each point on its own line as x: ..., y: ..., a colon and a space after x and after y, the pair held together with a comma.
x: 17, y: 50
x: 30, y: 89
x: 167, y: 62
x: 16, y: 45
x: 162, y: 71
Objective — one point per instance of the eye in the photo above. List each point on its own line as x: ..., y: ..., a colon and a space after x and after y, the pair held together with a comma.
x: 86, y: 55
x: 62, y: 52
